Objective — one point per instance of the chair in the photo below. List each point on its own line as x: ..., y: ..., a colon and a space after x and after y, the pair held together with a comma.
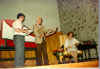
x: 65, y: 54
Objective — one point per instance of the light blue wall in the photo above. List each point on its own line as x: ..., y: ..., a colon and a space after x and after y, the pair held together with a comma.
x: 31, y: 8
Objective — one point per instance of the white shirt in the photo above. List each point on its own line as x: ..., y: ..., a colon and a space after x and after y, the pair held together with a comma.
x: 17, y: 24
x: 72, y: 43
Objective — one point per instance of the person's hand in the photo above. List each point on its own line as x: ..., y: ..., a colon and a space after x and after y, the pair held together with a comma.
x: 60, y: 49
x: 25, y: 31
x: 56, y: 29
x: 76, y: 44
x: 51, y: 30
x: 42, y: 35
x: 18, y: 30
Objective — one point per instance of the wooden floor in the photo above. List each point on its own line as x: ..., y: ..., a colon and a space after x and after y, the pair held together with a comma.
x: 70, y: 65
x: 77, y: 65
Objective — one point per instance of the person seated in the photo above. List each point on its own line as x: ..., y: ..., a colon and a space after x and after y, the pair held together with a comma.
x: 70, y: 46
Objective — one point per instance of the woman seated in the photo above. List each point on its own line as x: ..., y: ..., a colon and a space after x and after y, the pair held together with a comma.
x: 70, y: 46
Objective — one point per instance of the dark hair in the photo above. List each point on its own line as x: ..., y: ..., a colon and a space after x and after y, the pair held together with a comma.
x: 20, y: 14
x: 70, y: 33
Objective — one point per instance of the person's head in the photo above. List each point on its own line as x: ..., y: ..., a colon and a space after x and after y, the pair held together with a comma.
x: 39, y: 20
x: 70, y: 34
x: 21, y: 17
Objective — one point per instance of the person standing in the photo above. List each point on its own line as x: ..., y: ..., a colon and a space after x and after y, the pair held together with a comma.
x: 39, y: 32
x: 19, y: 39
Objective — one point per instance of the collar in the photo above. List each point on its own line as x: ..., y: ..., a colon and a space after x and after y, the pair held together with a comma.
x: 18, y: 21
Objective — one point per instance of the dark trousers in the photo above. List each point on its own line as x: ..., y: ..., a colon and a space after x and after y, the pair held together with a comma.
x: 19, y: 50
x: 41, y: 54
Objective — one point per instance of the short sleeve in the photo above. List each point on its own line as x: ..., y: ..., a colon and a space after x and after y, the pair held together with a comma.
x: 76, y: 41
x: 16, y: 25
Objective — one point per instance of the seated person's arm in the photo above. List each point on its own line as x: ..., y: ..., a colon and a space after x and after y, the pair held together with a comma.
x: 76, y: 42
x: 66, y: 44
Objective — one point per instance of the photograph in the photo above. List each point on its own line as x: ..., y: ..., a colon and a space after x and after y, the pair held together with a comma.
x: 49, y: 34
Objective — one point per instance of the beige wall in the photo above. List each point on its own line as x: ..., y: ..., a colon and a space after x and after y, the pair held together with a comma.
x: 31, y: 8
